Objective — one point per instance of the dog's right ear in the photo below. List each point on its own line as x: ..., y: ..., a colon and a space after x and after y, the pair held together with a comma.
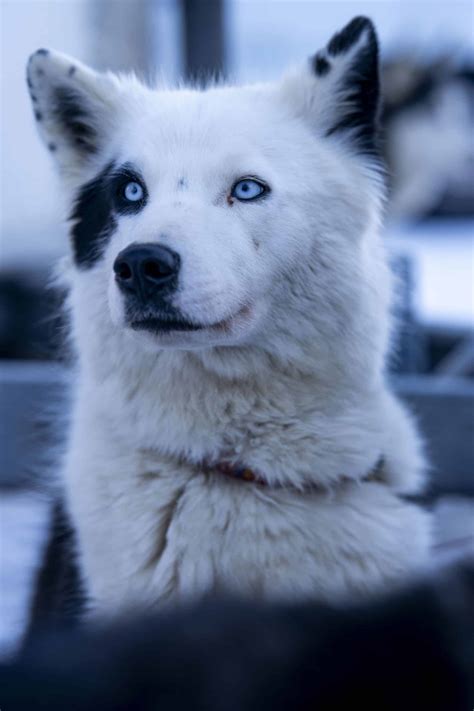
x: 74, y: 107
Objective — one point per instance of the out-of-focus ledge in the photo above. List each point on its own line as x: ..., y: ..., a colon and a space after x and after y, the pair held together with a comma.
x: 433, y: 386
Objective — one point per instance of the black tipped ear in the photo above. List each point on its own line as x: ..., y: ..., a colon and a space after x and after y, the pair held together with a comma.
x: 74, y: 106
x: 352, y: 57
x: 337, y: 92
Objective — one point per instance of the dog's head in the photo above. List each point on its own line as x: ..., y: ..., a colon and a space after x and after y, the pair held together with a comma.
x: 227, y: 216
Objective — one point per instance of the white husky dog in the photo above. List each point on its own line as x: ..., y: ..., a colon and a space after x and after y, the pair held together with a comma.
x: 229, y: 291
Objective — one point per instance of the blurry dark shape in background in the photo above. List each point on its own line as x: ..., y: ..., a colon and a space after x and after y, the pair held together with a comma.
x: 428, y: 122
x: 203, y: 38
x: 131, y: 26
x: 31, y: 318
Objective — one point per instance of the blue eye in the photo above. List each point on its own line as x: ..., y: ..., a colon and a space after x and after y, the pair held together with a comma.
x: 248, y: 189
x: 133, y: 191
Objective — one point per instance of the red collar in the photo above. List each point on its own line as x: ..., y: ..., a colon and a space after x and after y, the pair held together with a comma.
x: 234, y: 471
x: 242, y: 473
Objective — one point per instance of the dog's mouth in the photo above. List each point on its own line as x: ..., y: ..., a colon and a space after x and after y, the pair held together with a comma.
x: 171, y: 324
x: 164, y: 325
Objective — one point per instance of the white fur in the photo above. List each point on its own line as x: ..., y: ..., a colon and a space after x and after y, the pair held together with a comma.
x: 293, y: 384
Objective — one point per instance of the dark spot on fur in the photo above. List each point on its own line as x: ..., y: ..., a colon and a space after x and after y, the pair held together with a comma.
x: 52, y: 147
x: 34, y: 99
x: 43, y: 52
x: 29, y: 82
x: 71, y: 71
x: 93, y: 219
x: 39, y: 73
x: 182, y: 183
x: 321, y: 65
x: 38, y: 116
x: 97, y: 206
x: 74, y: 118
x: 359, y: 90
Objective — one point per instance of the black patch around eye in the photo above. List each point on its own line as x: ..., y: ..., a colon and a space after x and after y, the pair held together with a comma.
x: 97, y: 206
x: 75, y: 120
x: 93, y: 219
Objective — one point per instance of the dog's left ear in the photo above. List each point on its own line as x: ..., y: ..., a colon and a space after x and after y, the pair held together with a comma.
x: 338, y: 91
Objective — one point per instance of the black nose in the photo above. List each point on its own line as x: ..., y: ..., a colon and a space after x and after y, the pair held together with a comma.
x: 146, y: 269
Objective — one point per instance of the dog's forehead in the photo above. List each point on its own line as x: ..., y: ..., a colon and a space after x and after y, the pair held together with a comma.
x: 223, y: 120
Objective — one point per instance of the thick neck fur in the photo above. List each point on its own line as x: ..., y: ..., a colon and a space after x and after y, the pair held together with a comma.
x: 288, y: 420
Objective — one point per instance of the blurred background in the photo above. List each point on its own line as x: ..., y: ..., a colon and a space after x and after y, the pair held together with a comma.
x: 428, y: 141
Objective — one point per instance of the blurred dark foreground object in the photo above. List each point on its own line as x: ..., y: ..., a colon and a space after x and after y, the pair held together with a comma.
x: 414, y: 650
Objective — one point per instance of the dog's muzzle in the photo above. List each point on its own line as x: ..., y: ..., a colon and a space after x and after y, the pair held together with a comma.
x: 147, y: 276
